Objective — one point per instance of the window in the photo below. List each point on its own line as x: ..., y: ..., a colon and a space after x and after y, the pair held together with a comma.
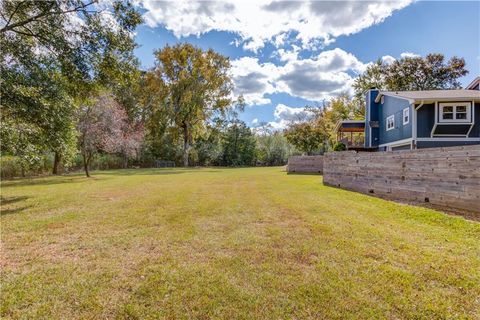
x: 406, y: 116
x: 390, y: 122
x: 455, y: 112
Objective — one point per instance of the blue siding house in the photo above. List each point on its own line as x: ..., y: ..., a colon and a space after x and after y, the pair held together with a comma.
x: 397, y: 120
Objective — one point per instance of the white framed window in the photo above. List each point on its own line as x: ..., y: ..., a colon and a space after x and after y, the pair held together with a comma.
x: 406, y: 116
x: 390, y: 123
x: 455, y: 112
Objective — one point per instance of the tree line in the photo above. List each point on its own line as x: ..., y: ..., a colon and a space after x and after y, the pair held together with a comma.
x: 71, y: 88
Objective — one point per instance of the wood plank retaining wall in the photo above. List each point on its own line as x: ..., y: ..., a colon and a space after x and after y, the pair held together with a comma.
x: 444, y: 177
x: 305, y: 164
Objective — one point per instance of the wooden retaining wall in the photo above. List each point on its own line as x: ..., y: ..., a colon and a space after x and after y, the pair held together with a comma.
x: 444, y: 177
x: 305, y: 164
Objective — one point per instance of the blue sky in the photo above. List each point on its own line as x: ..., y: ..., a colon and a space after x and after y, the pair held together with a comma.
x: 286, y: 55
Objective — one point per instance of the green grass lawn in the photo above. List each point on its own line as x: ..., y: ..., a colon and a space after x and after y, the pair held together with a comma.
x: 252, y: 243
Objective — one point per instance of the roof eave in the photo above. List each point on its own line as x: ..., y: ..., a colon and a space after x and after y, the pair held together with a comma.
x: 425, y: 100
x: 379, y: 96
x: 473, y: 84
x: 430, y: 100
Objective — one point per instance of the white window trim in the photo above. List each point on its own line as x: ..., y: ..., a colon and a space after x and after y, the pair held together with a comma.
x: 386, y: 123
x: 454, y: 105
x: 448, y: 139
x: 406, y: 112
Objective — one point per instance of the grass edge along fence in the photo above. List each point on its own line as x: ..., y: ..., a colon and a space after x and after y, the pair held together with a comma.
x: 448, y: 177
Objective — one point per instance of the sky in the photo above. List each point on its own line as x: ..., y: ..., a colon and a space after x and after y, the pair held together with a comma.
x: 289, y: 54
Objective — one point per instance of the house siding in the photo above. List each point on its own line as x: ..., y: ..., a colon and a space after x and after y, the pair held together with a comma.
x: 371, y: 114
x: 426, y: 121
x: 475, y: 133
x: 437, y: 144
x: 394, y: 106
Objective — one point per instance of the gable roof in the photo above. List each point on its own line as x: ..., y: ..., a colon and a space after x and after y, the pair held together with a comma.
x: 473, y: 84
x: 428, y: 95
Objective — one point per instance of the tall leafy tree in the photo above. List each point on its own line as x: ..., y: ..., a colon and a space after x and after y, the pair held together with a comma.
x: 61, y: 48
x: 273, y: 148
x: 428, y: 73
x: 239, y: 145
x: 412, y: 73
x: 306, y: 136
x: 193, y: 85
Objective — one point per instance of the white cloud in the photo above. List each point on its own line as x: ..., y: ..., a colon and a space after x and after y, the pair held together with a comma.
x: 253, y: 80
x: 278, y: 125
x: 279, y: 39
x: 284, y: 115
x: 284, y: 112
x: 258, y: 22
x: 388, y: 59
x: 255, y: 121
x: 319, y: 77
x: 288, y: 55
x: 409, y: 55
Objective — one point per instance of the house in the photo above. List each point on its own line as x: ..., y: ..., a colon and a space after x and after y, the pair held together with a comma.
x: 399, y: 120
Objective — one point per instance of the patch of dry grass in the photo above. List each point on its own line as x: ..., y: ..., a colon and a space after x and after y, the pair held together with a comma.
x: 251, y: 243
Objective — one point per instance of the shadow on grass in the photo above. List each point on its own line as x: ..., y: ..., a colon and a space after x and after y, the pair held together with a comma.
x: 154, y: 171
x: 9, y: 200
x: 136, y: 172
x: 79, y: 176
x: 51, y: 180
x: 6, y: 201
x: 13, y: 211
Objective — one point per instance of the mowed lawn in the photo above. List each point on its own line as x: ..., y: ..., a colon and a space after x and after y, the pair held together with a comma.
x: 211, y: 243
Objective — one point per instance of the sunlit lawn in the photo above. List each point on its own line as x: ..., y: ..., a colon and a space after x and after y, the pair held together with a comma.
x: 210, y: 243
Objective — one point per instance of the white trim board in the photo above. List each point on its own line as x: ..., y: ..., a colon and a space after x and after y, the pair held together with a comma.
x: 392, y: 117
x: 454, y: 106
x: 448, y: 139
x: 367, y: 121
x: 473, y: 118
x: 407, y: 109
x: 398, y: 142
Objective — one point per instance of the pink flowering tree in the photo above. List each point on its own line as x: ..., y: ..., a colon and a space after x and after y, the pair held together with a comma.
x: 103, y: 126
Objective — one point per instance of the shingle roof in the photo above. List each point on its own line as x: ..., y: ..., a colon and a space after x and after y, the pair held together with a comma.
x: 434, y: 94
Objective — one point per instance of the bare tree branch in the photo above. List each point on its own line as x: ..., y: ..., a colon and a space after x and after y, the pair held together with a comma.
x: 13, y: 13
x: 43, y: 14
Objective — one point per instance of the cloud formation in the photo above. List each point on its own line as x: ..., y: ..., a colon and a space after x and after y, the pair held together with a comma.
x: 389, y: 59
x: 319, y: 77
x: 258, y: 22
x: 285, y: 115
x: 409, y: 55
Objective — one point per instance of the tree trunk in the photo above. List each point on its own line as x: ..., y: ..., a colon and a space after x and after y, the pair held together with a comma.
x: 235, y: 152
x: 86, y: 162
x: 186, y: 145
x: 56, y: 162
